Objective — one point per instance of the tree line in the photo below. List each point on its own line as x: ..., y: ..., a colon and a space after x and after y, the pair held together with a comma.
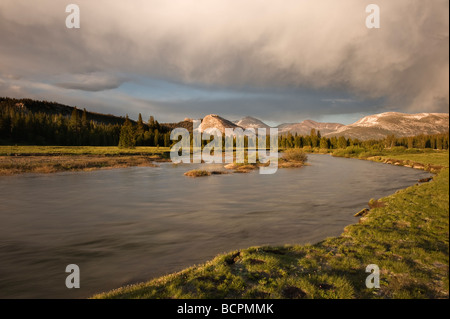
x: 143, y: 134
x: 315, y: 140
x: 19, y: 125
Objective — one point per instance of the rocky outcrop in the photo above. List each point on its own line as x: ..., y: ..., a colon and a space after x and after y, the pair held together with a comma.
x: 215, y: 121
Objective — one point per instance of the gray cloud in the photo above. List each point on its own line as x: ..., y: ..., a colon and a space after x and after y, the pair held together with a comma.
x: 260, y: 44
x: 90, y: 82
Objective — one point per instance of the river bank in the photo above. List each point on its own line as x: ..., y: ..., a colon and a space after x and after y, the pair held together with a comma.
x: 14, y: 165
x: 16, y: 160
x: 407, y: 237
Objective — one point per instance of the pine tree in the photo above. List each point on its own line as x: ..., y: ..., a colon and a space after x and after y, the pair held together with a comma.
x: 156, y: 138
x: 140, y: 125
x: 439, y: 144
x: 148, y: 138
x: 140, y: 130
x: 410, y: 142
x: 151, y: 122
x: 167, y: 140
x: 324, y: 143
x: 84, y: 121
x: 342, y: 142
x: 390, y: 141
x: 74, y: 120
x: 126, y: 139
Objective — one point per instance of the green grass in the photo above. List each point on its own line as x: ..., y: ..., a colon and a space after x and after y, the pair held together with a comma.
x: 407, y: 237
x: 424, y: 156
x: 80, y: 150
x: 436, y: 158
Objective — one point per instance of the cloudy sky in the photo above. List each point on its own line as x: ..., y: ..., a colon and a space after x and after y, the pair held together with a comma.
x: 280, y: 61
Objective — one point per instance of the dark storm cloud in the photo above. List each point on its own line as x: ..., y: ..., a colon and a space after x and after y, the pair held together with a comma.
x: 276, y: 108
x: 289, y: 45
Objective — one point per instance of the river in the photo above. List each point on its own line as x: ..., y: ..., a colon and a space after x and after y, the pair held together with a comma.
x: 128, y: 225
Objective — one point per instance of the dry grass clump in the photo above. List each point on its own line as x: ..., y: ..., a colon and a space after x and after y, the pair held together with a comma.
x: 11, y: 165
x: 202, y: 173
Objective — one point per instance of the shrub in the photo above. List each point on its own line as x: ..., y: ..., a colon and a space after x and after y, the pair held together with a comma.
x: 350, y: 151
x: 197, y: 173
x: 295, y: 155
x: 398, y: 149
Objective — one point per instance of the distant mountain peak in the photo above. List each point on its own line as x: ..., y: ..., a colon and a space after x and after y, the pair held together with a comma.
x: 310, y: 122
x: 305, y: 127
x: 251, y: 122
x: 215, y: 121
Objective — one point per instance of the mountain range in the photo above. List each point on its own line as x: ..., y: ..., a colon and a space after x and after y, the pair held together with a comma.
x: 376, y: 126
x: 392, y: 123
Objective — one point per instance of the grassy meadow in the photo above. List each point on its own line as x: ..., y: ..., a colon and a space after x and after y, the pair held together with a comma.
x: 51, y: 159
x: 80, y: 150
x: 436, y: 158
x: 406, y: 234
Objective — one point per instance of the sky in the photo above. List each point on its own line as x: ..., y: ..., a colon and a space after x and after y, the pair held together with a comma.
x: 279, y: 61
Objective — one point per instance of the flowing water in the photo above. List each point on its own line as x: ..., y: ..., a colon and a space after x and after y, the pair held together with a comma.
x: 129, y: 225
